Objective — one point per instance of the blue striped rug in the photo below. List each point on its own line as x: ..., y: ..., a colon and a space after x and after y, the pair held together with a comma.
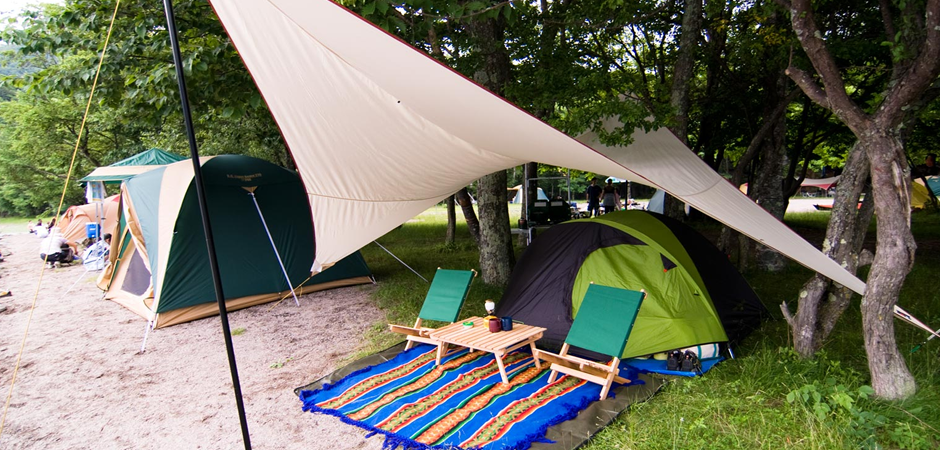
x: 459, y: 404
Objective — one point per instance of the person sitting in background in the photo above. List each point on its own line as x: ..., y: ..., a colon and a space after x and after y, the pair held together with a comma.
x: 928, y: 168
x: 40, y: 230
x: 54, y: 249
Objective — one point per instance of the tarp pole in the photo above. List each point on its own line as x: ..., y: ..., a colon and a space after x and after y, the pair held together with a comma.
x: 206, y: 226
x: 276, y: 254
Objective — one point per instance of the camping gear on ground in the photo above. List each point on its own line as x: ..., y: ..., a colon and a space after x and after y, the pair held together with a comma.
x: 124, y: 169
x: 479, y: 340
x: 158, y: 255
x: 674, y: 360
x: 603, y: 325
x: 445, y: 297
x: 694, y: 295
x: 653, y: 366
x: 690, y: 363
x: 92, y: 230
x: 704, y: 351
x: 548, y: 212
x: 462, y: 403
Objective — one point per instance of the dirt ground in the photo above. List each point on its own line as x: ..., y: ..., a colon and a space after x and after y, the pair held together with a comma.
x: 83, y: 383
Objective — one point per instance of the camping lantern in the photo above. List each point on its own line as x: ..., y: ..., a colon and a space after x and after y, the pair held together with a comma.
x: 490, y: 307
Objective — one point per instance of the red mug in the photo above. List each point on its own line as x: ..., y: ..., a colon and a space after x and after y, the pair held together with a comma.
x: 495, y: 325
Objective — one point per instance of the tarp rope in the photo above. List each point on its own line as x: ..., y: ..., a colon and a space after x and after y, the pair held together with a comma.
x: 909, y: 318
x: 68, y: 177
x: 402, y: 262
x: 283, y: 297
x: 276, y: 253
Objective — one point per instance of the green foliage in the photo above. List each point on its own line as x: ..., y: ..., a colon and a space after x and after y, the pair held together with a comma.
x: 136, y: 101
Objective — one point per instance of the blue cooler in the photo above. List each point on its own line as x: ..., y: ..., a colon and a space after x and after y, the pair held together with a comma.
x: 92, y: 230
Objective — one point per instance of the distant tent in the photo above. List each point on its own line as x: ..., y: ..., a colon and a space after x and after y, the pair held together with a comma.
x: 135, y: 165
x: 934, y: 184
x: 158, y: 257
x: 920, y: 197
x: 657, y: 201
x: 517, y: 199
x: 76, y: 219
x: 822, y: 183
x: 694, y: 294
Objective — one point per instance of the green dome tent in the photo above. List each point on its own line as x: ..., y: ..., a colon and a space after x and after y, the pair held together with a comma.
x: 159, y: 266
x: 694, y: 295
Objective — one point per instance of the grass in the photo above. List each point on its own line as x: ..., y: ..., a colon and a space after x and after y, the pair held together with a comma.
x: 767, y: 397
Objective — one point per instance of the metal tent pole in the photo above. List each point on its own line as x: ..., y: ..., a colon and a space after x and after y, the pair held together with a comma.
x: 206, y: 226
x: 276, y: 253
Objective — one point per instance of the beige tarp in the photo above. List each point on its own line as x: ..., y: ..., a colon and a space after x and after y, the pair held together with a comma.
x: 380, y: 131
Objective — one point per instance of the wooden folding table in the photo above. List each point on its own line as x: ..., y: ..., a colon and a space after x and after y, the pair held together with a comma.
x: 479, y: 337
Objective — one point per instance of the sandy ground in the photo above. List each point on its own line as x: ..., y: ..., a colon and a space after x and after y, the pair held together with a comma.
x: 83, y: 384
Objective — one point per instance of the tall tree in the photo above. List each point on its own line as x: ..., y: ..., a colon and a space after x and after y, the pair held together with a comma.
x: 492, y: 72
x: 915, y: 66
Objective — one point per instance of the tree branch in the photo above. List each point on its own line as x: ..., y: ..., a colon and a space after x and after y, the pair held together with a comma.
x: 810, y: 37
x: 762, y: 133
x: 888, y: 19
x: 922, y: 73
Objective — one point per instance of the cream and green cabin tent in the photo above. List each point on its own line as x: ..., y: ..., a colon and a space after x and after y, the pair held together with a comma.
x: 159, y: 264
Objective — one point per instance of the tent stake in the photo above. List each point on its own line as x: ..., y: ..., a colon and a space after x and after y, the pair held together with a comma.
x: 402, y: 262
x: 206, y: 226
x: 143, y: 345
x: 276, y: 254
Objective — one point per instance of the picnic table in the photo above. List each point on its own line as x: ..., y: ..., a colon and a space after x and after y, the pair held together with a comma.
x: 479, y: 337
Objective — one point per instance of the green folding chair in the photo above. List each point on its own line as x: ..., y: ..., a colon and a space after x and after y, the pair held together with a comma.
x: 603, y: 325
x: 445, y: 297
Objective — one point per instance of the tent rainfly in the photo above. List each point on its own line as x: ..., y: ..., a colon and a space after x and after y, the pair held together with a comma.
x: 158, y: 255
x: 355, y: 103
x: 135, y: 165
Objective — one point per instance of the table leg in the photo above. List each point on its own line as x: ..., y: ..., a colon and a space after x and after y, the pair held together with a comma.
x: 502, y: 368
x: 441, y: 351
x: 538, y: 365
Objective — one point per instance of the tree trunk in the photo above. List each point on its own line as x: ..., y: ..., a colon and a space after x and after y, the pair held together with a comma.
x: 466, y: 205
x: 496, y: 256
x: 451, y: 221
x: 894, y: 257
x: 496, y: 253
x: 681, y: 85
x: 685, y: 66
x: 816, y: 312
x: 769, y: 181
